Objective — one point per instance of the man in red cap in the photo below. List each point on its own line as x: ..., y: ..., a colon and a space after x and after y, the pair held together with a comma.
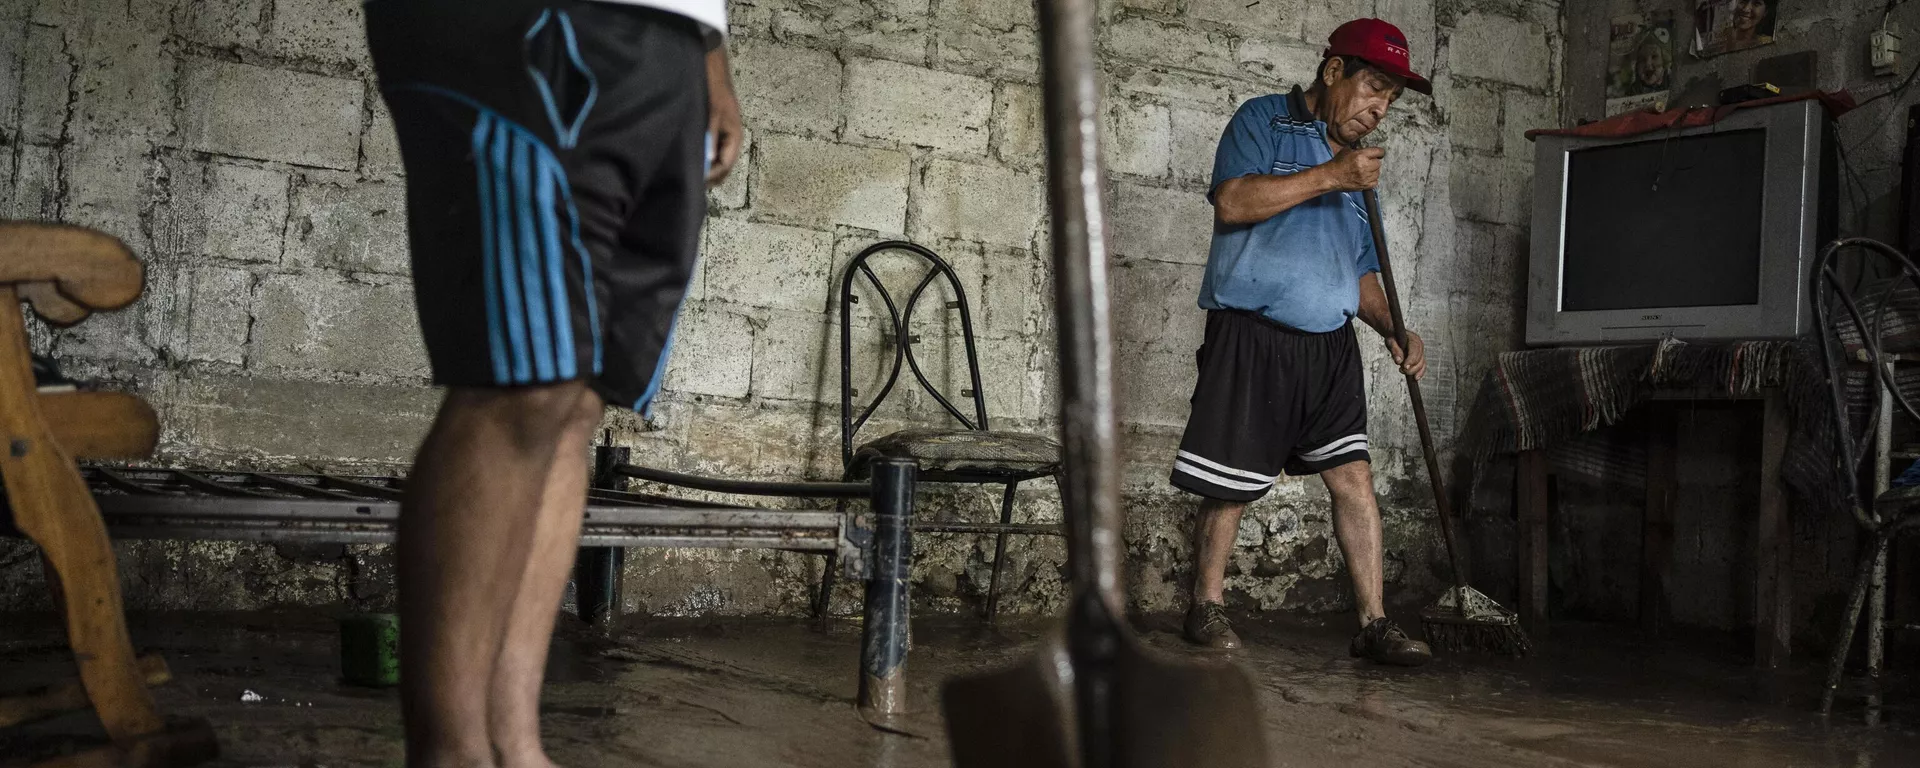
x: 1291, y: 264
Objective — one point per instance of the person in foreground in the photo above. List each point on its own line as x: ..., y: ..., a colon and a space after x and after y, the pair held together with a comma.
x: 557, y: 157
x: 1292, y: 262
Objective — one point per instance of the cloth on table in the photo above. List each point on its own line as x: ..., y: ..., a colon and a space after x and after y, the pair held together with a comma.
x: 1538, y: 399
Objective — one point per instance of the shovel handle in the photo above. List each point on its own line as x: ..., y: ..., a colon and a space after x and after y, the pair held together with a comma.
x: 1441, y: 500
x: 1090, y: 482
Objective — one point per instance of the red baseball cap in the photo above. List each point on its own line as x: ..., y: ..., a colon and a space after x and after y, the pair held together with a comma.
x: 1380, y: 44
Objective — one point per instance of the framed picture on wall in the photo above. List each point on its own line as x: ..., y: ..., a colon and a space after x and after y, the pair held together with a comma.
x: 1640, y: 65
x: 1720, y: 26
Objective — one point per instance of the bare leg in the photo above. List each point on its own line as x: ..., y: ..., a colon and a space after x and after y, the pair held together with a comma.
x: 465, y: 534
x: 514, y: 716
x: 1213, y: 534
x: 1356, y: 524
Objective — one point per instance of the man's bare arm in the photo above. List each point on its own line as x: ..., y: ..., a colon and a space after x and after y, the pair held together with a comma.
x: 723, y: 116
x: 1255, y: 198
x: 1373, y: 305
x: 1376, y: 314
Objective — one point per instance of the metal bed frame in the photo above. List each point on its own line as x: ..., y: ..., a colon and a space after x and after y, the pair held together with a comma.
x: 873, y: 545
x: 272, y: 506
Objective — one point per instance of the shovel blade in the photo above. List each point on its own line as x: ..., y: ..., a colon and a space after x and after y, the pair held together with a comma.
x: 1185, y: 712
x: 1165, y: 713
x: 1019, y: 717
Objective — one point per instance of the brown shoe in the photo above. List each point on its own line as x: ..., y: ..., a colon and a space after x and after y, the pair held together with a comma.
x: 1382, y: 642
x: 1207, y: 625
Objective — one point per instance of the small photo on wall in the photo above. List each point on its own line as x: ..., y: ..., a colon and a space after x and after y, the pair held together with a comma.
x: 1721, y: 26
x: 1640, y: 74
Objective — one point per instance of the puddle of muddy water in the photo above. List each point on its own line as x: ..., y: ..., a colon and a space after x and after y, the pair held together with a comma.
x: 752, y: 692
x: 1597, y: 695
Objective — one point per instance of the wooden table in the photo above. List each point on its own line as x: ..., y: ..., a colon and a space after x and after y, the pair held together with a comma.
x: 1772, y: 583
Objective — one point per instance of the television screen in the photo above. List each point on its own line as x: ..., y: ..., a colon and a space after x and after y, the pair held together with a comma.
x: 1671, y: 222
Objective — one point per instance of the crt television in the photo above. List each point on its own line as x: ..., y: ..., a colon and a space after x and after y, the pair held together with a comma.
x: 1703, y: 233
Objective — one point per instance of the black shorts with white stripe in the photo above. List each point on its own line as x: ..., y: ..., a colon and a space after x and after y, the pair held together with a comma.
x: 1270, y: 399
x: 555, y: 153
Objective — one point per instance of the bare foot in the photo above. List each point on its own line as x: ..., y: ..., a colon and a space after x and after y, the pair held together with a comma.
x: 534, y: 759
x: 450, y: 761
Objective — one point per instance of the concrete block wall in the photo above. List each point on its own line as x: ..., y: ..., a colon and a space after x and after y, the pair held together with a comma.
x: 1837, y: 32
x: 241, y: 148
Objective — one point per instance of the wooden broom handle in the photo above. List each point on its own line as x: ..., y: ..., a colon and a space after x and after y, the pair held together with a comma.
x: 1440, y: 497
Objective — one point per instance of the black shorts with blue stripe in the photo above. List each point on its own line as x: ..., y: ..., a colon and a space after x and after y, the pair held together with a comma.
x: 555, y: 157
x: 1270, y: 399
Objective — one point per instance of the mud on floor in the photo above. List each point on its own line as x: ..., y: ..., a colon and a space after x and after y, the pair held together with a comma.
x: 779, y: 693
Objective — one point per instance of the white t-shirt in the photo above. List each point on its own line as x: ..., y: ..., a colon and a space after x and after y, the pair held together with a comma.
x: 710, y: 13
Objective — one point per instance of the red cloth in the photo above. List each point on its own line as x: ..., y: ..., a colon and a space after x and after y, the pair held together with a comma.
x: 1646, y: 120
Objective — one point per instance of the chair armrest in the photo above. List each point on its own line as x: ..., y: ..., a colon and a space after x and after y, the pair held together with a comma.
x: 101, y: 425
x: 65, y: 271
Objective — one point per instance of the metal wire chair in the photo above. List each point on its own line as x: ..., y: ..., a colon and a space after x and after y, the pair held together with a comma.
x: 969, y: 453
x: 1891, y: 513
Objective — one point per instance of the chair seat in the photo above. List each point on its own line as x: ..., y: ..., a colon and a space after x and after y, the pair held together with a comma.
x: 965, y: 451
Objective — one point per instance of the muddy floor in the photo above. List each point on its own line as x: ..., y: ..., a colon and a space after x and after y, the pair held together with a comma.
x: 778, y: 693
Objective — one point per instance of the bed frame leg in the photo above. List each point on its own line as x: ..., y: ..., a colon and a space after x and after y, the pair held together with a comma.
x: 597, y: 571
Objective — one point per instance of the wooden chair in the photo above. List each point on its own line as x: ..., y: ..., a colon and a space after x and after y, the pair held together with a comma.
x: 66, y: 273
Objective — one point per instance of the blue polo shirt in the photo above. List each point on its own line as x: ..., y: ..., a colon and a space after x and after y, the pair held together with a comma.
x: 1302, y: 267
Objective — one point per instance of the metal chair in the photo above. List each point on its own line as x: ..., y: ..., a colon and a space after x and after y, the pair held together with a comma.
x: 970, y: 452
x: 1890, y: 513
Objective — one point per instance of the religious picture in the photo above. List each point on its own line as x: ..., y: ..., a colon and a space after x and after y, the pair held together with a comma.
x: 1720, y: 26
x: 1641, y: 71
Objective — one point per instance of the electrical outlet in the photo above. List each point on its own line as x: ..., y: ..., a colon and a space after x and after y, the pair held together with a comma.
x: 1884, y: 47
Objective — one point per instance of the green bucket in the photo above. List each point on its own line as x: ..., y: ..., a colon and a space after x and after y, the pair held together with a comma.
x: 370, y: 650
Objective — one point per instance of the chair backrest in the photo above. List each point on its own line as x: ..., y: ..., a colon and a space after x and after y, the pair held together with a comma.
x: 900, y: 316
x: 1865, y: 325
